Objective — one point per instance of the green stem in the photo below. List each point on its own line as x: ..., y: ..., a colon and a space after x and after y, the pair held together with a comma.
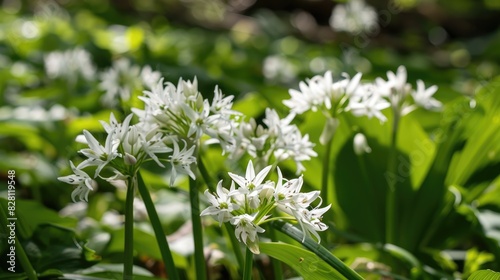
x: 391, y: 214
x: 166, y: 255
x: 247, y: 270
x: 20, y: 253
x: 229, y: 228
x: 319, y: 250
x: 128, y: 262
x: 205, y: 175
x: 325, y: 176
x: 234, y: 244
x: 199, y: 258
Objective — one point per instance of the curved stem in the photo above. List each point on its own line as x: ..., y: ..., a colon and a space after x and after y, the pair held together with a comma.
x: 166, y: 254
x: 391, y: 214
x: 128, y: 262
x: 247, y: 270
x: 316, y: 248
x: 199, y: 257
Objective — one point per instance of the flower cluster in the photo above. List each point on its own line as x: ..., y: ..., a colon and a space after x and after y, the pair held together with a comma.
x: 250, y: 202
x: 354, y: 17
x: 123, y: 78
x: 126, y: 148
x: 70, y: 65
x: 181, y: 111
x: 275, y: 141
x: 361, y: 99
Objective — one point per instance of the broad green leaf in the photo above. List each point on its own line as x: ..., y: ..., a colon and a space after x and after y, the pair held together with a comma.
x: 54, y: 247
x: 306, y: 263
x: 485, y: 275
x: 31, y: 214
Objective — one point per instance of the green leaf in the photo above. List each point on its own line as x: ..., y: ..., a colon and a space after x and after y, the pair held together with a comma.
x: 306, y: 263
x: 485, y: 275
x: 31, y: 214
x: 53, y: 247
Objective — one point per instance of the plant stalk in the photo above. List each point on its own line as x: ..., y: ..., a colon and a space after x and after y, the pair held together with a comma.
x: 391, y: 214
x: 247, y: 270
x: 199, y: 258
x: 166, y: 254
x: 128, y: 262
x: 229, y: 228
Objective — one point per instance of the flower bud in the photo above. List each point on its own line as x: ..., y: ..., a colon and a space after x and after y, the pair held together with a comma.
x: 361, y: 144
x: 129, y: 159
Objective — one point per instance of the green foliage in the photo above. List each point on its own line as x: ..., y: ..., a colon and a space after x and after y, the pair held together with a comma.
x: 307, y: 264
x: 447, y: 165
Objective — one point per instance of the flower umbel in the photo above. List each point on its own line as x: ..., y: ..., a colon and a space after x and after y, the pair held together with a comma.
x: 253, y: 201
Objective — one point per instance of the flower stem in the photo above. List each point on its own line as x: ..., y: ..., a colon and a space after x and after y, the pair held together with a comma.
x: 128, y: 262
x: 229, y: 228
x: 199, y: 258
x: 326, y: 172
x: 326, y: 138
x: 247, y: 270
x: 390, y: 214
x: 21, y: 254
x: 319, y: 250
x: 166, y: 255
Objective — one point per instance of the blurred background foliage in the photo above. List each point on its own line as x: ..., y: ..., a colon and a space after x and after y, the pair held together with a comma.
x: 449, y: 203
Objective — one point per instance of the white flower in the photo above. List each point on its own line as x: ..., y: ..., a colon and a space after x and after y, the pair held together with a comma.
x: 70, y: 64
x: 367, y: 102
x: 312, y: 95
x: 310, y: 221
x: 98, y: 155
x: 277, y: 67
x: 354, y: 17
x: 279, y: 139
x: 246, y: 231
x: 361, y: 144
x: 423, y: 97
x: 181, y: 161
x: 84, y: 183
x: 250, y: 181
x: 118, y: 81
x: 221, y: 204
x: 285, y: 192
x: 149, y: 77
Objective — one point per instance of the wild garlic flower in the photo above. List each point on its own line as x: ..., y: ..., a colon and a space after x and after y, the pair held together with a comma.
x: 84, y: 184
x: 423, y: 97
x: 181, y: 161
x: 361, y: 98
x: 251, y: 201
x: 70, y: 65
x: 125, y: 78
x: 274, y: 141
x: 361, y: 144
x: 396, y: 90
x: 181, y: 111
x: 354, y: 17
x: 321, y: 92
x: 126, y: 148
